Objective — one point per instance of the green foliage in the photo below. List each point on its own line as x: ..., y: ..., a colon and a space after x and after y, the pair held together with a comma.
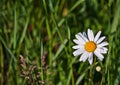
x: 36, y: 39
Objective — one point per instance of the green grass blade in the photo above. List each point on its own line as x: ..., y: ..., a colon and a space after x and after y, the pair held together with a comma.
x: 24, y: 31
x: 60, y: 49
x: 116, y: 17
x: 9, y: 51
x: 15, y: 29
x: 76, y: 4
x: 80, y: 79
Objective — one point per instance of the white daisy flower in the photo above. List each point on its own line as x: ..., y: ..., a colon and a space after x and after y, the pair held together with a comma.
x: 88, y: 44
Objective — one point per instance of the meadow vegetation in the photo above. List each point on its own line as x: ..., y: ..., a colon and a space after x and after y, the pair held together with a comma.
x: 36, y: 39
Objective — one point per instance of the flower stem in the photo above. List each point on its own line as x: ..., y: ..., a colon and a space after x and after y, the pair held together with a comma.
x: 91, y: 71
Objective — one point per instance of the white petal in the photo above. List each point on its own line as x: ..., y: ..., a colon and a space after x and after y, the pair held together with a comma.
x: 90, y: 58
x: 81, y: 40
x: 97, y: 36
x: 102, y: 50
x: 83, y: 37
x: 102, y: 44
x: 77, y: 36
x: 76, y: 41
x: 99, y: 55
x: 78, y: 46
x: 90, y: 35
x: 84, y: 34
x: 78, y: 52
x: 100, y: 40
x: 84, y: 56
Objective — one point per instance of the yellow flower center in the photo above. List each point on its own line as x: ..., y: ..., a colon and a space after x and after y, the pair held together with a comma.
x: 90, y: 46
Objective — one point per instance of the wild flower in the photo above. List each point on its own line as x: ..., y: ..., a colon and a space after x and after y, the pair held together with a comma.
x: 88, y: 44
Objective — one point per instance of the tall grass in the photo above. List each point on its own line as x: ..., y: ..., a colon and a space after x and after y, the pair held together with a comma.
x: 36, y: 39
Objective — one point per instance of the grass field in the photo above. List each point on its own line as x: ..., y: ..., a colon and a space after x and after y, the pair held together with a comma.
x: 36, y: 40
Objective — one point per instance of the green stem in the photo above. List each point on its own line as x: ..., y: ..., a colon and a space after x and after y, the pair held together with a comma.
x: 73, y: 81
x: 91, y: 71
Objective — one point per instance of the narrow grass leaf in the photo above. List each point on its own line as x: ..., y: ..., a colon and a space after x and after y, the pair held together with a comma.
x: 60, y: 49
x: 68, y: 33
x: 116, y: 17
x: 15, y: 29
x: 41, y: 52
x: 24, y: 31
x: 80, y: 79
x: 48, y: 29
x: 69, y: 77
x: 76, y: 4
x: 9, y: 51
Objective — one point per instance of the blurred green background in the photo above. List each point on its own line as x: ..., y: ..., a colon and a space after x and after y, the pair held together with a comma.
x: 36, y: 39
